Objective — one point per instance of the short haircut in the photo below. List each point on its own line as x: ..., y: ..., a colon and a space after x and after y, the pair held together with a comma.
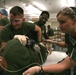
x: 48, y: 26
x: 73, y: 8
x: 16, y: 10
x: 69, y: 11
x: 45, y: 12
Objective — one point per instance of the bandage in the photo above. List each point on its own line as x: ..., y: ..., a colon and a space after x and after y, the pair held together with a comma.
x: 36, y: 47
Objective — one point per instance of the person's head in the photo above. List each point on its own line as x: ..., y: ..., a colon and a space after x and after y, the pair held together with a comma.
x: 16, y: 17
x: 67, y: 20
x: 44, y: 16
x: 48, y: 26
x: 3, y: 13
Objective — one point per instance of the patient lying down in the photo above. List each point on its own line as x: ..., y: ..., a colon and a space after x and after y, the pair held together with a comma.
x: 21, y: 53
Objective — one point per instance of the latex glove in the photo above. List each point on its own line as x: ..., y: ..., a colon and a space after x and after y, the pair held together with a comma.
x: 32, y: 70
x: 42, y: 44
x: 21, y: 38
x: 36, y: 47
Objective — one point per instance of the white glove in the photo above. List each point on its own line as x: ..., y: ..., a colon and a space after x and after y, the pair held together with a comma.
x: 32, y: 70
x: 21, y: 38
x: 42, y: 44
x: 36, y: 47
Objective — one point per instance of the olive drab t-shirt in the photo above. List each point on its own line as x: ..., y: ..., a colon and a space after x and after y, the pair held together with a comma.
x: 8, y: 32
x: 4, y: 21
x: 71, y: 42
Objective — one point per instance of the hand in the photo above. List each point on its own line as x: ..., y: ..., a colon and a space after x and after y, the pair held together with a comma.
x: 32, y: 70
x: 21, y: 38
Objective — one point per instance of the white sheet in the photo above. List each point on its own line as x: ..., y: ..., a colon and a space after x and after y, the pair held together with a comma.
x: 55, y: 57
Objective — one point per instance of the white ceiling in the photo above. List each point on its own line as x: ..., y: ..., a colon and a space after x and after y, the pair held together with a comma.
x: 52, y: 6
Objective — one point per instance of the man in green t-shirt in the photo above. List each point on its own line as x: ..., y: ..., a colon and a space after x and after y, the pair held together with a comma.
x: 18, y: 26
x: 43, y: 18
x: 21, y: 53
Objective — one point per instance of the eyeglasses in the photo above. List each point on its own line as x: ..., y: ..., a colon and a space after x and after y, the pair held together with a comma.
x: 16, y: 20
x: 69, y: 11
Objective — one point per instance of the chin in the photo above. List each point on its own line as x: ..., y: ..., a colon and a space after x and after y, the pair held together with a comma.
x: 63, y: 31
x: 16, y: 28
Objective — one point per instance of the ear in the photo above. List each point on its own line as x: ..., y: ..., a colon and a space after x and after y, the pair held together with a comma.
x: 23, y: 19
x: 74, y: 19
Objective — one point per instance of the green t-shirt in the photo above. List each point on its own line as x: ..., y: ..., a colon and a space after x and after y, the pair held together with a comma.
x: 7, y: 33
x: 4, y: 21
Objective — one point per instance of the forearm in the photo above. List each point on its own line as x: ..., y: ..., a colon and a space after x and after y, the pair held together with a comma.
x: 55, y: 68
x: 62, y: 44
x: 1, y: 28
x: 3, y: 44
x: 39, y: 35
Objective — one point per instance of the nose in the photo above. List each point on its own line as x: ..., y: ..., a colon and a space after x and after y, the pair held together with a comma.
x: 44, y: 20
x: 14, y: 23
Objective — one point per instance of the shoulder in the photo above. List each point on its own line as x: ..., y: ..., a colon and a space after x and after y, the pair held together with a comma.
x: 66, y: 35
x: 27, y: 23
x: 6, y: 28
x: 4, y: 21
x: 37, y: 23
x: 26, y: 26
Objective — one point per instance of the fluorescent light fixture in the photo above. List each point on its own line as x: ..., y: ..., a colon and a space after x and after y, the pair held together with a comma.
x: 39, y: 5
x: 32, y: 10
x: 71, y: 3
x: 67, y: 3
x: 63, y: 3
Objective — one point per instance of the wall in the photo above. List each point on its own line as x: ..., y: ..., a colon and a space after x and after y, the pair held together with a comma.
x: 54, y: 24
